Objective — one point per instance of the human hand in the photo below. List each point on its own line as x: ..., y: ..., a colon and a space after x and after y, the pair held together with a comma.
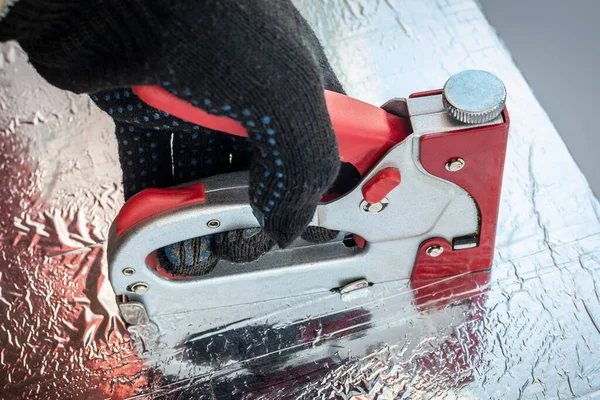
x: 255, y: 61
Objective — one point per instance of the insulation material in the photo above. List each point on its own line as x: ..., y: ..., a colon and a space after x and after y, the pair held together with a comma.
x: 529, y: 329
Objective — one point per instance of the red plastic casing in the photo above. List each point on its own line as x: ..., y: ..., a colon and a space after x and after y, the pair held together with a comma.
x: 483, y: 149
x: 364, y: 132
x: 153, y: 201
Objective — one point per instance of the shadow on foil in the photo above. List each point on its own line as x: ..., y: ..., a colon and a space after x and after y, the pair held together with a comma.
x: 274, y: 361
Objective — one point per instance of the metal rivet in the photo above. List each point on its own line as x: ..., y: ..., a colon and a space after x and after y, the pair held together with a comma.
x: 455, y: 164
x: 434, y: 251
x: 213, y: 223
x: 139, y: 287
x: 128, y: 271
x: 374, y: 208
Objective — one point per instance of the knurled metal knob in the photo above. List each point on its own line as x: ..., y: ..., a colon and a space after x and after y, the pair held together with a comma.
x: 474, y: 96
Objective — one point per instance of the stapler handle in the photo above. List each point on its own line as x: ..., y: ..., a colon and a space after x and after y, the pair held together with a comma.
x: 364, y: 132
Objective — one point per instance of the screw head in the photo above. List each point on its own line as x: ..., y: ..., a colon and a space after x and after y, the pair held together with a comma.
x: 455, y: 164
x: 474, y: 97
x: 140, y: 287
x: 374, y: 208
x: 213, y: 223
x: 434, y: 251
x: 128, y: 271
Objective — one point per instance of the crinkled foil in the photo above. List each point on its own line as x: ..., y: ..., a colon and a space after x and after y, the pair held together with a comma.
x: 531, y: 329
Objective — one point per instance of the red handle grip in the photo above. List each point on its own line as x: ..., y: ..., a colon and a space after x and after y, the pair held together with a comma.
x: 364, y: 132
x: 153, y: 201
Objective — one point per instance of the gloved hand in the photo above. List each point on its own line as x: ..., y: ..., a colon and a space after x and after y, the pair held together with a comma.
x: 253, y: 60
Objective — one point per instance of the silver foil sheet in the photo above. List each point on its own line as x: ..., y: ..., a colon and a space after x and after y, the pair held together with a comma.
x: 529, y: 330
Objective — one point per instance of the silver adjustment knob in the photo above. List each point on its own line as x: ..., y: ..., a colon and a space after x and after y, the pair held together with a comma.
x: 474, y: 96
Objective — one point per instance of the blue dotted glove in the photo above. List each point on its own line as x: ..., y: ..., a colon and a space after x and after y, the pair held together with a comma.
x: 158, y: 150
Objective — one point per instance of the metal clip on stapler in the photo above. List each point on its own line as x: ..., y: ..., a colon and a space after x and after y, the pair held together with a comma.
x: 426, y: 208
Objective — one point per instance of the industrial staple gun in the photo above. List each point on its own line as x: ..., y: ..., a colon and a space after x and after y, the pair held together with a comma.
x: 426, y: 208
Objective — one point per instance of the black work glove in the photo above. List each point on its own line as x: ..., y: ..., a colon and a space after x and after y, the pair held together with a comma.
x: 253, y: 60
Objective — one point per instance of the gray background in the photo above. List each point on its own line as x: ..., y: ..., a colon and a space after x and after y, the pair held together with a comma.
x: 555, y: 44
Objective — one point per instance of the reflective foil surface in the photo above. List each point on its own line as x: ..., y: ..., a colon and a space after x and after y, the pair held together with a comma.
x: 530, y: 329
